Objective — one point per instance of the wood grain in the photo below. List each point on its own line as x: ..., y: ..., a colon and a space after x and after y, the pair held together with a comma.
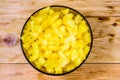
x: 106, y: 40
x: 85, y: 72
x: 23, y: 8
x: 103, y: 62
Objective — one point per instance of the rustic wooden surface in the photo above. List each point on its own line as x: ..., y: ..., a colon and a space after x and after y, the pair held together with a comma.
x: 85, y: 72
x: 104, y: 60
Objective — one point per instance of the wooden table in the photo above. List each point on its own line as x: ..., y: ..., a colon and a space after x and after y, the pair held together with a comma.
x: 104, y: 60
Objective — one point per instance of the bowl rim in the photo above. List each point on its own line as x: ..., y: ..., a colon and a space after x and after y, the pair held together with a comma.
x: 82, y: 61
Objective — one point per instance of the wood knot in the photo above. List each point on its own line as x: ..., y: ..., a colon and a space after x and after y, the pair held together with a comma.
x: 104, y: 18
x: 111, y: 39
x: 110, y: 34
x: 111, y: 7
x: 10, y: 40
x: 114, y: 24
x: 33, y: 3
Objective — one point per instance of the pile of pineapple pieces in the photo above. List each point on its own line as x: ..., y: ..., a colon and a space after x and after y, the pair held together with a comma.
x: 55, y: 40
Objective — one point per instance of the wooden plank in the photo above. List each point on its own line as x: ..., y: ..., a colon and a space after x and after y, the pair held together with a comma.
x: 106, y: 40
x: 85, y: 72
x: 23, y: 8
x: 106, y: 37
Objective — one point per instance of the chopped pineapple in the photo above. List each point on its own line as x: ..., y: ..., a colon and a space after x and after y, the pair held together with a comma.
x: 50, y: 70
x: 57, y: 23
x: 69, y: 67
x: 65, y: 11
x: 47, y: 54
x: 87, y: 38
x: 78, y: 19
x: 39, y: 62
x: 77, y: 61
x: 86, y: 49
x: 74, y: 54
x: 35, y: 54
x: 65, y: 47
x: 58, y: 70
x: 56, y: 41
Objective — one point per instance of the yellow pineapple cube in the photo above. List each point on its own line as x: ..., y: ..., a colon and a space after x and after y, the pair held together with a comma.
x: 58, y: 70
x: 79, y: 44
x: 50, y: 70
x: 78, y: 19
x: 53, y: 18
x: 37, y: 64
x: 53, y: 47
x: 51, y: 12
x: 74, y: 54
x: 26, y: 46
x: 87, y: 37
x: 63, y: 59
x: 86, y: 49
x: 77, y: 61
x: 69, y: 67
x: 81, y: 53
x: 70, y: 38
x: 33, y: 57
x: 35, y: 54
x: 40, y: 62
x: 56, y: 31
x: 57, y: 23
x: 44, y: 11
x: 64, y: 47
x: 65, y: 11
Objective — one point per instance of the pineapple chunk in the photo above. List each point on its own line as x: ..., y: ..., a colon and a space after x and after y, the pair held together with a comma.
x: 83, y: 26
x: 56, y: 31
x: 82, y: 55
x: 50, y: 70
x: 74, y: 54
x: 63, y: 59
x: 39, y: 66
x: 68, y: 22
x: 64, y: 47
x: 57, y: 23
x: 65, y: 11
x: 26, y: 38
x: 51, y: 12
x: 30, y: 51
x: 87, y: 38
x: 40, y: 62
x: 33, y: 57
x: 69, y: 67
x: 26, y: 46
x: 70, y: 38
x: 52, y: 62
x: 44, y: 11
x: 35, y: 54
x: 86, y: 49
x: 47, y: 54
x: 54, y: 18
x: 35, y: 48
x: 58, y: 70
x: 52, y: 47
x: 77, y: 61
x: 78, y: 19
